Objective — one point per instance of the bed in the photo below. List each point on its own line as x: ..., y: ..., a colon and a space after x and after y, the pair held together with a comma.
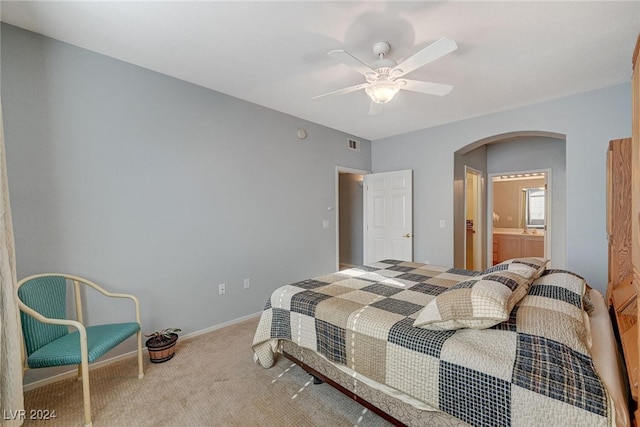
x: 515, y: 345
x: 387, y: 336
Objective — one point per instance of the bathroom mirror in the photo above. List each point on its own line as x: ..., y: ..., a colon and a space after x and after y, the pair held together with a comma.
x: 533, y: 208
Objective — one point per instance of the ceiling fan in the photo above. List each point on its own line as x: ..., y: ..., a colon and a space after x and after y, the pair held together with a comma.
x: 383, y: 76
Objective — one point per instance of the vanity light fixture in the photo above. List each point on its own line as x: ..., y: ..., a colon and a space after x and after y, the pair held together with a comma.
x: 520, y: 175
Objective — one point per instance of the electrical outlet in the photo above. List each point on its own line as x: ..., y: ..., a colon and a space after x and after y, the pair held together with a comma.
x: 221, y: 289
x: 247, y: 283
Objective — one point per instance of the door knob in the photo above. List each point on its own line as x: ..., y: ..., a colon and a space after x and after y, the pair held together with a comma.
x: 407, y: 235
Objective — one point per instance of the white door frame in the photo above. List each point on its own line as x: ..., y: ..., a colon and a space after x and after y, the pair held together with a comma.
x: 477, y: 247
x: 342, y: 169
x: 547, y: 214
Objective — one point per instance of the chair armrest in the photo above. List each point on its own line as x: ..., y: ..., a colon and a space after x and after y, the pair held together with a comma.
x: 82, y: 331
x: 65, y: 322
x: 77, y: 279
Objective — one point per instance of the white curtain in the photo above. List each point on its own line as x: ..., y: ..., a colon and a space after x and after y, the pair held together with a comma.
x: 11, y: 397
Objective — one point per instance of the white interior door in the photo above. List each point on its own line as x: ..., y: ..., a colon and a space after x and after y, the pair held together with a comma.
x: 388, y: 216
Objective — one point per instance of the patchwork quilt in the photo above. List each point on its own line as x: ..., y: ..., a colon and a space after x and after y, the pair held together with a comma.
x: 534, y: 369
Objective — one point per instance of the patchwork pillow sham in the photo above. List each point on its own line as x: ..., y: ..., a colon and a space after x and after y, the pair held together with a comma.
x: 529, y: 267
x: 478, y: 303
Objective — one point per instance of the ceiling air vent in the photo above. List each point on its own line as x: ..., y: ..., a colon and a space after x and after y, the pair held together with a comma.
x: 354, y: 145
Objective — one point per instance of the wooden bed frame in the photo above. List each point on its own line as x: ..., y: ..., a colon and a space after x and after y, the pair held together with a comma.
x: 623, y: 229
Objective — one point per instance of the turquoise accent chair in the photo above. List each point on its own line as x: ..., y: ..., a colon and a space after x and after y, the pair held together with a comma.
x: 48, y: 340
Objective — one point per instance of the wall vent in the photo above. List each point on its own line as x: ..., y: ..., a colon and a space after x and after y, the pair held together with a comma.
x: 354, y: 145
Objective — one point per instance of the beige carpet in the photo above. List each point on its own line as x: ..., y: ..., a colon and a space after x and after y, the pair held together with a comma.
x: 211, y: 381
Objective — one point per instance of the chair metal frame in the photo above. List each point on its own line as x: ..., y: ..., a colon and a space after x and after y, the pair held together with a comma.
x: 83, y: 368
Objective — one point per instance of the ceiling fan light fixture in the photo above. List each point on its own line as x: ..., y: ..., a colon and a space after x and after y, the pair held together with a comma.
x: 382, y: 91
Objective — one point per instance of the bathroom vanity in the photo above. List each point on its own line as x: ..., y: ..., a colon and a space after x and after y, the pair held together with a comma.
x: 511, y: 243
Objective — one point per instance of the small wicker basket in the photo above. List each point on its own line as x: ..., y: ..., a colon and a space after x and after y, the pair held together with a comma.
x: 161, y: 351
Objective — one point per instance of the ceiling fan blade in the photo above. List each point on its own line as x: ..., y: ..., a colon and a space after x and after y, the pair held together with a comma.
x: 427, y: 87
x: 435, y: 50
x: 351, y: 61
x: 375, y: 108
x: 343, y: 91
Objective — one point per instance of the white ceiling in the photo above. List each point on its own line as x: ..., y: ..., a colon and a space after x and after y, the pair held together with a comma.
x: 275, y: 53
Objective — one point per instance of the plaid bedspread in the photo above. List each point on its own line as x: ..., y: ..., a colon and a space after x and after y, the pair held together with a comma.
x: 534, y: 369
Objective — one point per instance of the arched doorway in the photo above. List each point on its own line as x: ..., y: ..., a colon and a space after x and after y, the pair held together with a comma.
x: 511, y: 152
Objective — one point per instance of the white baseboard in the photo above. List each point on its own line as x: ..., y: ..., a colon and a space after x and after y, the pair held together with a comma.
x: 74, y: 372
x: 221, y: 325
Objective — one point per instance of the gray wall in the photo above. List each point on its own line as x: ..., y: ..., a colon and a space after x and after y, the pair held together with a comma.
x: 589, y: 120
x: 150, y: 185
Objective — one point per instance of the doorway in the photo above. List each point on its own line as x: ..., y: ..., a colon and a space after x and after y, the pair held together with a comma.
x: 349, y: 217
x: 514, y: 151
x: 520, y: 209
x: 389, y: 206
x: 473, y: 183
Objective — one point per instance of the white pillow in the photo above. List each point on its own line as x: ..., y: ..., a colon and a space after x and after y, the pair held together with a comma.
x: 478, y: 303
x: 529, y: 267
